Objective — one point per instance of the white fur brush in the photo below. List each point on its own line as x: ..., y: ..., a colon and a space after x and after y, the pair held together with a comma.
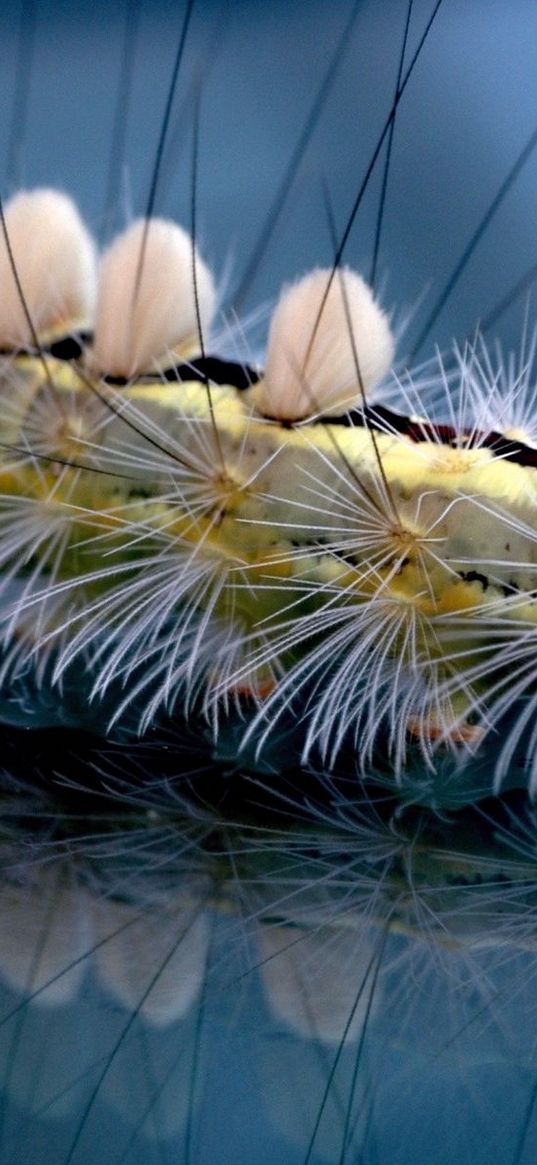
x: 55, y: 261
x: 329, y: 342
x: 146, y: 303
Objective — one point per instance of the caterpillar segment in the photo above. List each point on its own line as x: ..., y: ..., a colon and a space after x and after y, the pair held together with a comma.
x: 191, y: 529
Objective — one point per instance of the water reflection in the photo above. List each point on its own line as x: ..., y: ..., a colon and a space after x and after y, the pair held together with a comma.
x: 193, y: 970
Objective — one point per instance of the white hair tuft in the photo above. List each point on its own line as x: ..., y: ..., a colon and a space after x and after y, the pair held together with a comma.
x: 328, y: 341
x: 146, y: 301
x: 54, y: 257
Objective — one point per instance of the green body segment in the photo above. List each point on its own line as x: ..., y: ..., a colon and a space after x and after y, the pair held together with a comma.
x: 279, y: 523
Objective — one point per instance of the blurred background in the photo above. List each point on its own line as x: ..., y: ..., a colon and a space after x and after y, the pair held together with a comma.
x: 84, y: 85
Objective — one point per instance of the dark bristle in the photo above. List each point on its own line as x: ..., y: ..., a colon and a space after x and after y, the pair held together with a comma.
x: 364, y: 185
x: 493, y: 208
x: 159, y: 154
x: 285, y: 186
x: 119, y: 130
x: 389, y: 148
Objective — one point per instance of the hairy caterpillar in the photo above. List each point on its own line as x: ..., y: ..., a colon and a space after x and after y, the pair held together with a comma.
x: 206, y: 535
x: 301, y: 940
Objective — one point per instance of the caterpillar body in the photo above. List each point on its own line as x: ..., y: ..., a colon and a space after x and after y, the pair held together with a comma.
x: 184, y: 537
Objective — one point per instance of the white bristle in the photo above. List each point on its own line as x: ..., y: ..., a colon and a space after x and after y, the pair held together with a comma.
x: 146, y: 301
x: 319, y: 363
x: 55, y: 260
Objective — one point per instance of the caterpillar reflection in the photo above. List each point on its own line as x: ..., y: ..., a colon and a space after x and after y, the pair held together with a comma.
x: 302, y: 970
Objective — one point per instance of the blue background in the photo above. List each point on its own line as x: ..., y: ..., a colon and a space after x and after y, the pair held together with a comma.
x: 469, y: 108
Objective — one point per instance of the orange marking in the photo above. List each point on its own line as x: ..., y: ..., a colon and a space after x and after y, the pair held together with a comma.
x: 256, y: 691
x: 458, y: 734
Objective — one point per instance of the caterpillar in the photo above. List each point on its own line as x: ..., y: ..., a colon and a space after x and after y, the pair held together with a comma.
x: 419, y: 573
x: 259, y: 536
x: 267, y: 854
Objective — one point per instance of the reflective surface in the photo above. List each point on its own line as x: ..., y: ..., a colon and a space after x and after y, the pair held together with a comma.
x: 194, y: 969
